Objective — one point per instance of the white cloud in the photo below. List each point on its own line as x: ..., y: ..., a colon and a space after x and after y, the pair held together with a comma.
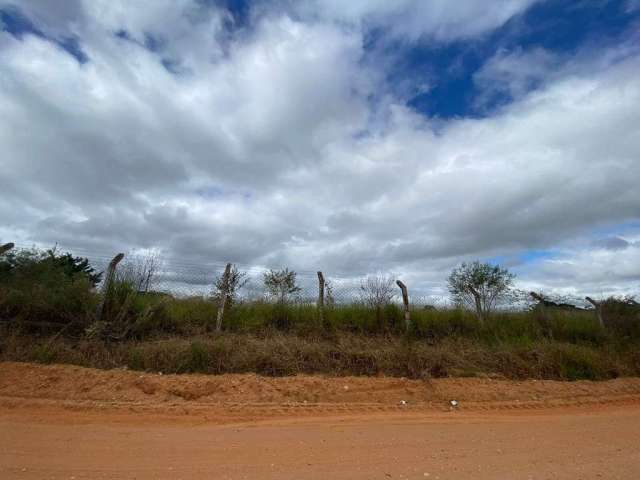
x: 598, y: 272
x: 53, y: 18
x: 267, y: 147
x: 413, y: 19
x: 514, y: 73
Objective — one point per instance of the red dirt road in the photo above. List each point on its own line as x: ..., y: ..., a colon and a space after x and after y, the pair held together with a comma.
x: 74, y: 429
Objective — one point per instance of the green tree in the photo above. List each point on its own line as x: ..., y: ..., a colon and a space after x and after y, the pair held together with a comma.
x: 45, y: 289
x: 480, y: 286
x: 280, y: 284
x: 72, y: 267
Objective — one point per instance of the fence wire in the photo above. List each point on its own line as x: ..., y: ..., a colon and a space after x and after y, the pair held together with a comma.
x: 151, y: 272
x: 192, y: 280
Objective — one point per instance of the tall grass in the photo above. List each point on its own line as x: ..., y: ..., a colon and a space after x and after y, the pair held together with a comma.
x: 153, y: 315
x: 39, y: 303
x: 277, y: 354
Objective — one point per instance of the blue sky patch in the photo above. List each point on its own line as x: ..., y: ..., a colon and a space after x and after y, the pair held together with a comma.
x: 444, y: 72
x: 15, y: 23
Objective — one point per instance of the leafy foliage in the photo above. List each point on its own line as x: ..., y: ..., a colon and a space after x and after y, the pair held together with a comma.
x: 44, y: 289
x: 622, y: 315
x: 480, y: 286
x: 66, y: 263
x: 281, y: 284
x: 229, y: 286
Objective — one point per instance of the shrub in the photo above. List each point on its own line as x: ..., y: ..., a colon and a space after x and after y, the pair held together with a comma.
x: 42, y: 292
x: 622, y: 316
x: 192, y: 315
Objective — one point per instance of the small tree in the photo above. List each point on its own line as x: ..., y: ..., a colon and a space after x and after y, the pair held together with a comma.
x: 280, y: 284
x: 141, y: 271
x: 480, y: 286
x: 377, y: 292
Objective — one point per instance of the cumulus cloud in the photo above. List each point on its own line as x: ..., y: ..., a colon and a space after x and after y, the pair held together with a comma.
x: 599, y: 272
x: 415, y: 19
x: 280, y: 146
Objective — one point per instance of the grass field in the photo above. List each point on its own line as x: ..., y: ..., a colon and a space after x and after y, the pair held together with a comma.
x: 557, y: 345
x: 49, y: 313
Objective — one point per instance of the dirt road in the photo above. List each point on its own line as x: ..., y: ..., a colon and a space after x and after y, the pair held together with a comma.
x: 66, y: 422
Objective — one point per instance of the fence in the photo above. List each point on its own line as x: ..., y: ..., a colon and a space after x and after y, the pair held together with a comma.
x: 153, y: 272
x: 182, y: 279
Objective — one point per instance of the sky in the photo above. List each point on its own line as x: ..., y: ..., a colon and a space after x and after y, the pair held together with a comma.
x: 351, y: 137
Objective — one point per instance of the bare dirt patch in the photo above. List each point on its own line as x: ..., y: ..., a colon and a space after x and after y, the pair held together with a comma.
x: 254, y: 394
x: 71, y: 422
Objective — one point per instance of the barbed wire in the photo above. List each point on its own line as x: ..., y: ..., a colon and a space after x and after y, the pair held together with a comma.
x: 183, y: 278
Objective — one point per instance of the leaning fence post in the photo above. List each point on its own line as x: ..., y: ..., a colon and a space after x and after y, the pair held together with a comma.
x: 106, y: 285
x: 405, y: 301
x: 540, y: 299
x: 225, y: 294
x: 321, y: 297
x: 598, y: 307
x: 6, y: 247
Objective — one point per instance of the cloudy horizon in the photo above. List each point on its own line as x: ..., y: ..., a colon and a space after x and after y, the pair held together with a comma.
x: 352, y: 137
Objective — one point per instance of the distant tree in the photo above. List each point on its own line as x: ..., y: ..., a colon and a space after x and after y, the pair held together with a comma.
x: 280, y: 284
x: 72, y: 267
x: 480, y: 286
x: 377, y: 292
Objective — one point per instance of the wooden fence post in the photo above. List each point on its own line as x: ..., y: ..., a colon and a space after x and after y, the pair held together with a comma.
x: 539, y: 298
x: 598, y: 307
x: 321, y: 297
x: 405, y: 301
x: 6, y: 247
x: 225, y: 294
x: 106, y: 285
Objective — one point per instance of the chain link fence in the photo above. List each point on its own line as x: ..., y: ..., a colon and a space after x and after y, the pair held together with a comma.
x: 189, y: 280
x: 153, y: 272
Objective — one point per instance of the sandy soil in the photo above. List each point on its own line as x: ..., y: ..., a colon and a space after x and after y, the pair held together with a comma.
x: 68, y: 422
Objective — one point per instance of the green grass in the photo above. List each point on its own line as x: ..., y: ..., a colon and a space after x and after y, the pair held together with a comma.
x: 175, y: 335
x: 277, y: 354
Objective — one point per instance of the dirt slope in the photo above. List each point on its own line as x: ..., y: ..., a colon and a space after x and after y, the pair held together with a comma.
x: 234, y: 397
x: 62, y: 422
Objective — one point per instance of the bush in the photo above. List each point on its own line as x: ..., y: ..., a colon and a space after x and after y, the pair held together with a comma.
x: 41, y: 293
x: 436, y: 325
x: 191, y: 315
x: 622, y: 316
x: 127, y: 313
